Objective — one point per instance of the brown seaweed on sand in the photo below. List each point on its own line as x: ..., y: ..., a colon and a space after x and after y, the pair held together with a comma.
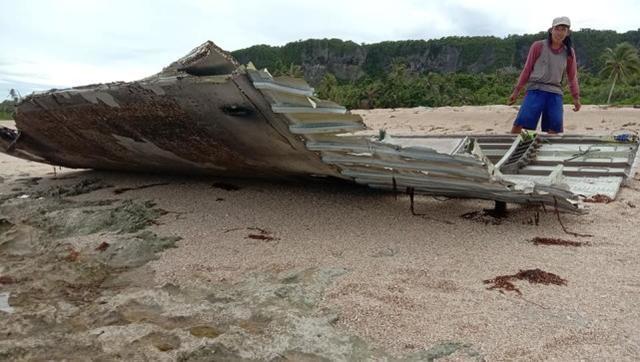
x: 556, y: 241
x: 535, y: 276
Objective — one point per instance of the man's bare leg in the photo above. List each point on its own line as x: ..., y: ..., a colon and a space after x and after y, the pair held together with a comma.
x: 516, y: 129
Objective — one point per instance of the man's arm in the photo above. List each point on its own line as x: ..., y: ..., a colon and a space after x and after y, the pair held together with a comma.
x: 572, y: 77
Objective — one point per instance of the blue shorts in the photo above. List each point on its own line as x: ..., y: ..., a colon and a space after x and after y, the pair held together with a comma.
x: 541, y: 103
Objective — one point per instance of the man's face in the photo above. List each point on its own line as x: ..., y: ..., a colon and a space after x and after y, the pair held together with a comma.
x: 559, y: 32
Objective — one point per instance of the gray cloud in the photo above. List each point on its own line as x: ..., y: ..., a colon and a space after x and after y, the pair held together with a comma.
x: 77, y: 41
x: 8, y: 72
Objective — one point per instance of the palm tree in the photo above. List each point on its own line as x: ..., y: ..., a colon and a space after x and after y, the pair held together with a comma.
x: 620, y: 63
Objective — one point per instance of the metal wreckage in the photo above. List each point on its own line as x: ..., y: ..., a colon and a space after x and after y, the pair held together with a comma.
x: 207, y: 114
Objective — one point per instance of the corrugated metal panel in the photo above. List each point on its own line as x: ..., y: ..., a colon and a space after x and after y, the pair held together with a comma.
x: 458, y: 165
x: 452, y: 166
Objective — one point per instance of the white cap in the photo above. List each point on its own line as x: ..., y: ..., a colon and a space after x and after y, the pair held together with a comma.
x: 563, y: 20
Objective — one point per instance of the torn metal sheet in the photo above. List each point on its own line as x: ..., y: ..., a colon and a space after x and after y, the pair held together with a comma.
x: 205, y: 113
x: 591, y: 165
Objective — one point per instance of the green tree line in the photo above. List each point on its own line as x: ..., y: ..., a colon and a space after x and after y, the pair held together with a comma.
x: 401, y: 88
x: 487, y: 53
x: 419, y: 73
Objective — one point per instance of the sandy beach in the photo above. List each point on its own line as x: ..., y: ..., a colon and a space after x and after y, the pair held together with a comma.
x: 137, y: 266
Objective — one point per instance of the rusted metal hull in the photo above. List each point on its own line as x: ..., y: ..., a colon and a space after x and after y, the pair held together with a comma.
x: 175, y: 125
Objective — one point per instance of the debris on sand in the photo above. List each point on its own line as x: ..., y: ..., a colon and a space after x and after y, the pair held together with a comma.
x: 534, y: 276
x: 599, y: 199
x: 261, y: 235
x: 103, y: 246
x: 4, y: 303
x: 225, y: 186
x: 502, y: 282
x: 125, y: 189
x: 556, y: 241
x: 5, y: 279
x: 72, y: 256
x: 537, y: 276
x: 484, y: 216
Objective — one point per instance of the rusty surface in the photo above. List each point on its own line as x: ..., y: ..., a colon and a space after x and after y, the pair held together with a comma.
x: 189, y: 132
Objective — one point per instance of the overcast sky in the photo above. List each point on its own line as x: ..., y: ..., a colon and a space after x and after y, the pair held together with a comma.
x: 47, y: 44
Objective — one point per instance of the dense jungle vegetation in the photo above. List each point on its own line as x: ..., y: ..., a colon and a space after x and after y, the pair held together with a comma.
x: 451, y: 71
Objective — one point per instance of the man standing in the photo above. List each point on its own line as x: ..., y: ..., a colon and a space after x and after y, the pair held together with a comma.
x: 546, y: 64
